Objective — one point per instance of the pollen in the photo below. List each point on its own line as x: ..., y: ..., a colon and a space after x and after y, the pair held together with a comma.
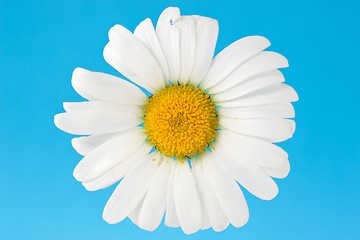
x: 180, y: 121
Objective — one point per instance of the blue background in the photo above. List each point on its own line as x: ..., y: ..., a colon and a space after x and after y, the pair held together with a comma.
x: 41, y: 42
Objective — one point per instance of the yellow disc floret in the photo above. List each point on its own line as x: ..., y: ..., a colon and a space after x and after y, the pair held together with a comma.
x: 180, y: 121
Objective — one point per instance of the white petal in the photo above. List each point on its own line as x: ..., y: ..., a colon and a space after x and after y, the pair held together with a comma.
x: 131, y: 190
x: 96, y: 121
x: 279, y: 172
x: 146, y: 33
x: 205, y: 221
x: 275, y: 110
x: 83, y: 106
x: 226, y: 190
x: 132, y: 58
x: 135, y: 214
x: 118, y: 171
x: 106, y: 88
x: 109, y: 154
x: 207, y: 30
x: 186, y: 25
x: 210, y: 204
x: 169, y: 37
x: 171, y: 219
x: 231, y: 57
x: 155, y: 201
x: 251, y: 149
x: 248, y: 175
x: 273, y: 129
x: 277, y: 93
x: 84, y: 145
x: 112, y: 57
x: 263, y: 62
x: 252, y: 84
x: 186, y: 198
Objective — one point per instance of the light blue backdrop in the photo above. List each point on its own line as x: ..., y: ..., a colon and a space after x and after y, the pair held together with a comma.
x: 41, y: 42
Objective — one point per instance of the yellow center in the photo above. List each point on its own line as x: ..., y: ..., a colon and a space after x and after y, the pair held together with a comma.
x: 180, y: 121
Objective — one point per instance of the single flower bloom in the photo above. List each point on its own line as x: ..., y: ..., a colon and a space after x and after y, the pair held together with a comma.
x: 209, y: 124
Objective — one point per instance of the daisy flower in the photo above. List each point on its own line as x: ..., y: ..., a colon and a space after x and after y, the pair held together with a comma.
x: 208, y: 125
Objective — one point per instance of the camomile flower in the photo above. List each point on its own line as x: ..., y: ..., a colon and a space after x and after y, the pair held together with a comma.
x: 209, y: 125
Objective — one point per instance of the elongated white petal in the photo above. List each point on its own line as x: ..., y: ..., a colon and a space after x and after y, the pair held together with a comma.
x: 106, y: 88
x: 275, y: 110
x: 232, y: 57
x: 227, y: 191
x: 273, y: 129
x: 186, y: 25
x: 252, y: 149
x: 134, y: 215
x: 146, y: 33
x: 263, y: 62
x: 169, y: 37
x: 277, y: 93
x: 131, y: 189
x: 155, y: 201
x: 207, y: 30
x: 109, y: 154
x: 248, y: 175
x: 252, y: 84
x: 84, y: 145
x: 112, y: 57
x: 279, y: 172
x: 118, y: 171
x: 186, y: 198
x: 96, y: 121
x: 205, y: 220
x: 171, y: 219
x: 210, y: 204
x: 132, y: 58
x: 83, y: 106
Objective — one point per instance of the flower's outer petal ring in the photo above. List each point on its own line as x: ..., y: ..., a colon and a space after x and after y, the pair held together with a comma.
x: 186, y: 198
x: 207, y: 30
x: 226, y: 190
x: 169, y: 37
x: 210, y: 204
x: 106, y: 88
x: 232, y: 57
x: 118, y: 171
x: 277, y: 93
x: 146, y: 33
x: 254, y: 83
x: 96, y: 121
x: 127, y: 54
x: 248, y: 175
x: 155, y: 201
x: 275, y: 110
x: 262, y: 62
x: 109, y: 154
x: 252, y: 149
x: 274, y: 129
x: 131, y: 189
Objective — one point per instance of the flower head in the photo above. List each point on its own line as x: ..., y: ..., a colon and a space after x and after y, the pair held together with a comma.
x: 209, y: 124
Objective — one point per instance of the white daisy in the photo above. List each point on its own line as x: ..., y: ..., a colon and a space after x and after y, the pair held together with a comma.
x: 183, y: 150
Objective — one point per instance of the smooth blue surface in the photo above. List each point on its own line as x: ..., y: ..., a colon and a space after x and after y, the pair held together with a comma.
x: 41, y: 42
